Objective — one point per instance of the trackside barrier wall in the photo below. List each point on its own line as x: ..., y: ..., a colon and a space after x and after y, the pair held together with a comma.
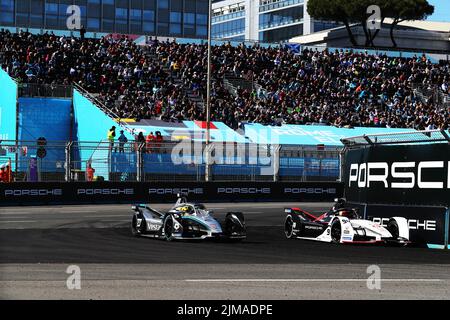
x: 147, y: 192
x: 410, y: 181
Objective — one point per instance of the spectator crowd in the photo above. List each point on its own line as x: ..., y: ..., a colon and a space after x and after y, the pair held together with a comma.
x: 340, y: 88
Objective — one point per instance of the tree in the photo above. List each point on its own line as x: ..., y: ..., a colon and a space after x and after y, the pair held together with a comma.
x: 403, y: 10
x: 355, y: 11
x: 331, y: 10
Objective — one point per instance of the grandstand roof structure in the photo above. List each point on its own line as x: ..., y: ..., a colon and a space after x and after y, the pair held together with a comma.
x: 426, y: 136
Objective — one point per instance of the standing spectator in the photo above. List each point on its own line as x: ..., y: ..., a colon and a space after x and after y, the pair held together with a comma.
x: 90, y: 172
x: 140, y: 140
x: 159, y: 140
x: 122, y: 140
x: 2, y: 174
x: 82, y: 32
x: 149, y: 142
x: 7, y: 174
x: 111, y: 136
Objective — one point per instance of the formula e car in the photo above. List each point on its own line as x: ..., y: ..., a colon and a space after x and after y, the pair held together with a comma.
x: 343, y: 225
x: 186, y: 221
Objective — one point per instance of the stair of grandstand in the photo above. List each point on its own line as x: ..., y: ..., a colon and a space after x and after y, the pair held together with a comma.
x: 188, y: 92
x: 233, y: 83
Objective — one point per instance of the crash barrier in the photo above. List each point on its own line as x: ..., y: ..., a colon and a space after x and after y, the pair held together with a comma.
x: 406, y: 175
x: 166, y: 161
x: 148, y: 192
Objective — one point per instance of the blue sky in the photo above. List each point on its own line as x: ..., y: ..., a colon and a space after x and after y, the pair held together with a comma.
x: 441, y: 10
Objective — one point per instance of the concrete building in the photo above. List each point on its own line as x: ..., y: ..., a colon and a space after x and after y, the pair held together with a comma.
x: 263, y: 20
x: 174, y: 18
x: 426, y: 36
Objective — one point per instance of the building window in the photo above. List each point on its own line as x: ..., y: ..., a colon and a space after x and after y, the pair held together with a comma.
x: 135, y: 14
x: 202, y: 31
x: 93, y: 23
x: 189, y: 18
x: 51, y: 8
x: 175, y: 28
x: 149, y: 15
x: 175, y: 17
x: 266, y: 5
x: 148, y: 27
x: 121, y: 13
x: 229, y: 28
x: 281, y: 17
x: 163, y: 4
x: 202, y: 19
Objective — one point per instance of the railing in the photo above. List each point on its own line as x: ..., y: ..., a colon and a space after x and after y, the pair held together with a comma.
x: 44, y: 90
x: 426, y: 136
x: 167, y: 161
x: 103, y: 107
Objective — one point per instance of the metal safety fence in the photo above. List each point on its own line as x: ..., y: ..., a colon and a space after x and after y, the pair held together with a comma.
x: 166, y: 161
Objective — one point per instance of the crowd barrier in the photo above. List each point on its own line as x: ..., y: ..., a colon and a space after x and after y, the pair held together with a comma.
x: 161, y: 192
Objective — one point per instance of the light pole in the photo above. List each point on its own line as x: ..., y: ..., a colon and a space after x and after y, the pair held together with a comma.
x: 208, y: 95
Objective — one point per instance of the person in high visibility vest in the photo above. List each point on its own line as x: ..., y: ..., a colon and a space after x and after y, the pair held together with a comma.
x: 111, y: 136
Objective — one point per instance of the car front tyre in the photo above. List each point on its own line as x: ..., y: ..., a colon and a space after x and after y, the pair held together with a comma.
x: 289, y: 227
x: 134, y: 228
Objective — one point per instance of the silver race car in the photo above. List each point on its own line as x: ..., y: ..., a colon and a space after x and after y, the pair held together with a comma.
x: 186, y: 221
x: 343, y: 225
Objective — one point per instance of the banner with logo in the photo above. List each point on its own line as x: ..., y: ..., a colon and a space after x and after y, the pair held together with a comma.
x: 290, y: 134
x: 426, y: 224
x: 402, y: 174
x: 154, y: 192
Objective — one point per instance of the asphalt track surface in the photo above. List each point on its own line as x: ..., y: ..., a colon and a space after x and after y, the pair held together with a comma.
x: 37, y: 244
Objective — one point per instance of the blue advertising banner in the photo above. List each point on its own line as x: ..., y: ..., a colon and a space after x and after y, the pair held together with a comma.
x: 8, y: 99
x: 308, y: 134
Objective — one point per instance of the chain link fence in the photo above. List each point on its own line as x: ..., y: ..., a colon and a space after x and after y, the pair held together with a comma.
x: 167, y: 161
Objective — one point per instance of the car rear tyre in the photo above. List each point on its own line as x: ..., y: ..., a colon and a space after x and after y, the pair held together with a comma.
x: 289, y: 227
x: 336, y: 231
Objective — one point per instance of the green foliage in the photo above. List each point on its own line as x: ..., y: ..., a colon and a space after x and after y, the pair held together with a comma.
x: 355, y: 11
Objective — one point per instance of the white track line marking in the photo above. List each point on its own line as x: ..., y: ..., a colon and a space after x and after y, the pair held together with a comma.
x: 17, y: 221
x: 107, y: 215
x: 310, y: 280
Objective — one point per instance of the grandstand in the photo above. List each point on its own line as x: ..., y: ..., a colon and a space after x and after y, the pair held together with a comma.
x: 267, y: 85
